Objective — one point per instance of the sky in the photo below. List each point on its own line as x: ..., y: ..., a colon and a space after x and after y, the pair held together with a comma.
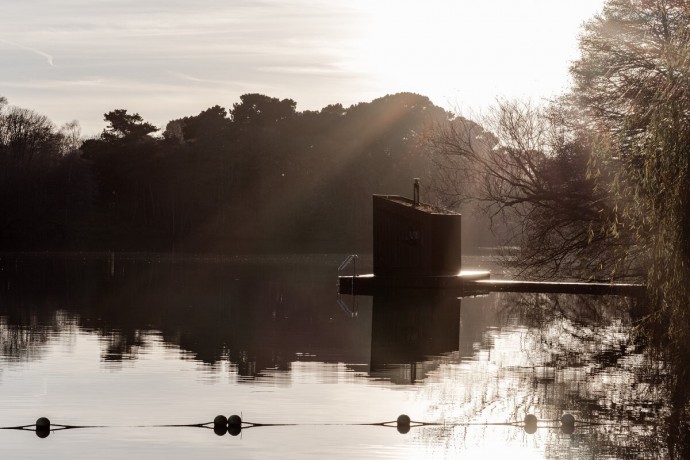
x: 166, y: 59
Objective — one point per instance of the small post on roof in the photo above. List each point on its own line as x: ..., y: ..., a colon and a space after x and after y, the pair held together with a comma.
x: 415, y: 193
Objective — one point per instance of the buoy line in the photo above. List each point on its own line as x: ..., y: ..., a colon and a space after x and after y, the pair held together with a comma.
x: 234, y: 425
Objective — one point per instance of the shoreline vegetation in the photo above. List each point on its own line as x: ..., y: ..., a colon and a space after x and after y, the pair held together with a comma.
x: 260, y: 177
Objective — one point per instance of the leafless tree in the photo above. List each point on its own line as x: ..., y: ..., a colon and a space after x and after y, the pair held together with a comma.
x: 529, y: 169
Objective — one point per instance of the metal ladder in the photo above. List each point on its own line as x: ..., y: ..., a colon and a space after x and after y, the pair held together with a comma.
x: 350, y: 259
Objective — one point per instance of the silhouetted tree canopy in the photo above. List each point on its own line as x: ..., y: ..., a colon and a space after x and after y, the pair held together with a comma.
x: 258, y: 177
x: 260, y: 110
x: 123, y: 126
x: 208, y: 124
x: 45, y: 187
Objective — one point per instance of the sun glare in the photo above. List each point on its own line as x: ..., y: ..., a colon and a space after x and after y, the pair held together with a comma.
x: 470, y: 52
x: 407, y: 43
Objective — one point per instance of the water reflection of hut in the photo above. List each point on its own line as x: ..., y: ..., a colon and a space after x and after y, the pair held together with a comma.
x: 409, y: 327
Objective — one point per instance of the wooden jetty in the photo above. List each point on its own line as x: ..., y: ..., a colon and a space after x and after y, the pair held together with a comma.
x: 417, y: 246
x: 477, y: 283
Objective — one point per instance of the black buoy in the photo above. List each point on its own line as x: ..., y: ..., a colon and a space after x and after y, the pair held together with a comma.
x: 403, y: 424
x: 220, y: 425
x: 234, y: 425
x: 42, y: 427
x: 531, y: 424
x: 568, y: 424
x: 220, y: 420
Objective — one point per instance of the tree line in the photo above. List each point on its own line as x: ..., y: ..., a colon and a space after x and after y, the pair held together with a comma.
x: 259, y: 176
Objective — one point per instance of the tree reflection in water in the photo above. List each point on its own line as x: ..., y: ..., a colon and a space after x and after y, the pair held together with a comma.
x: 581, y: 355
x: 257, y: 313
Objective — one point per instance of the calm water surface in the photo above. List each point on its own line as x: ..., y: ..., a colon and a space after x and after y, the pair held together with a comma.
x: 126, y: 344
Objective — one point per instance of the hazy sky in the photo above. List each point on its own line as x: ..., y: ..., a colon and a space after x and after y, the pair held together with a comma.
x: 77, y: 59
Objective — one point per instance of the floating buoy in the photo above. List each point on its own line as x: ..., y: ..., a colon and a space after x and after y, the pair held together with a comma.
x: 568, y: 424
x: 530, y: 424
x: 234, y: 420
x: 220, y: 425
x: 220, y: 420
x: 403, y: 424
x: 42, y: 427
x: 234, y: 425
x: 43, y: 422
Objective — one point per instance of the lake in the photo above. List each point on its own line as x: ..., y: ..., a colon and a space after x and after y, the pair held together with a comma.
x: 142, y: 352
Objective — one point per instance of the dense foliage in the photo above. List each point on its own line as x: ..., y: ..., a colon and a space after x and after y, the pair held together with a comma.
x: 633, y: 83
x: 261, y: 176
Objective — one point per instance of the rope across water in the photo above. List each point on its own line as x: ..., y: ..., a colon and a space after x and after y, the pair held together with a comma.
x: 234, y: 425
